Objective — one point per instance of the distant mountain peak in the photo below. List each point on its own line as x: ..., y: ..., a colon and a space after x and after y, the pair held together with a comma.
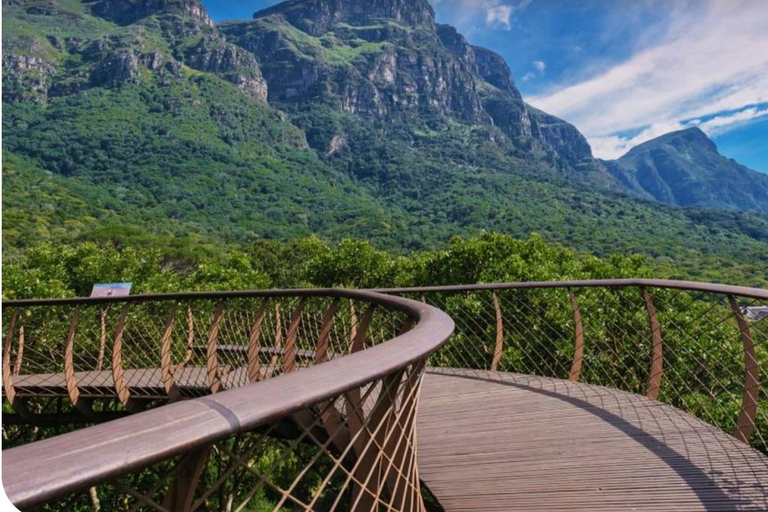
x: 692, y: 137
x: 685, y: 168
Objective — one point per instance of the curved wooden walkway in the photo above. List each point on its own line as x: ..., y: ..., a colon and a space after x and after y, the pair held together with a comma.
x: 498, y: 441
x: 493, y: 441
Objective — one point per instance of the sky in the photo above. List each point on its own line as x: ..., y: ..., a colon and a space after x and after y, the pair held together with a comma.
x: 624, y: 71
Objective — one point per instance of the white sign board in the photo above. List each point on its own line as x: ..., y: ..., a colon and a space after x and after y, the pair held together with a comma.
x: 111, y: 290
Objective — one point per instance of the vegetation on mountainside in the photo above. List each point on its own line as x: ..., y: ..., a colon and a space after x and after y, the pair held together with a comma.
x: 187, y: 163
x: 175, y: 179
x: 54, y: 270
x: 201, y: 173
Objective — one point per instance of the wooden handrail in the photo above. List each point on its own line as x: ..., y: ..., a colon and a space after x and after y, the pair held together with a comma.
x: 720, y: 289
x: 43, y: 471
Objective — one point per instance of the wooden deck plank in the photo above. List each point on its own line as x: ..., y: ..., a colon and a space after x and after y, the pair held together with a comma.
x: 496, y: 441
x: 145, y: 382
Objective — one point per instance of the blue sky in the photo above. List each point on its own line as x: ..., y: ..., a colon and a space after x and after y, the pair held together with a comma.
x: 624, y: 71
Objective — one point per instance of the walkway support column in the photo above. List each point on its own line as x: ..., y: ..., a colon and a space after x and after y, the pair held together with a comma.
x: 657, y: 357
x: 578, y: 350
x: 745, y: 424
x: 499, y: 346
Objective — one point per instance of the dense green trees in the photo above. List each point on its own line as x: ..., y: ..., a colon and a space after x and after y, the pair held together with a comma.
x: 52, y: 270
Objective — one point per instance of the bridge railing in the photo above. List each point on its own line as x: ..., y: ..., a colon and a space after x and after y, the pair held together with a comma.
x: 312, y: 398
x: 332, y: 436
x: 702, y: 348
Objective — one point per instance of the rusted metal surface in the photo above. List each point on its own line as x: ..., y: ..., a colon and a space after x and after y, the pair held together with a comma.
x: 578, y: 348
x: 19, y: 352
x: 321, y: 352
x: 102, y: 338
x: 289, y: 358
x: 10, y: 391
x: 214, y: 372
x: 657, y: 357
x: 118, y: 371
x: 746, y: 421
x: 253, y: 344
x: 165, y: 356
x: 499, y: 344
x: 69, y: 368
x: 185, y: 480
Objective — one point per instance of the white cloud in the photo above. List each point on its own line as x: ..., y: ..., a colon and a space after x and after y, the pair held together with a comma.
x: 721, y: 124
x: 495, y: 13
x: 713, y: 61
x: 613, y: 146
x: 499, y: 14
x: 540, y: 66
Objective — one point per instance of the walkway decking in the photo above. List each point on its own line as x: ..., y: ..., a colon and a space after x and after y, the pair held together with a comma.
x: 491, y: 441
x: 497, y: 441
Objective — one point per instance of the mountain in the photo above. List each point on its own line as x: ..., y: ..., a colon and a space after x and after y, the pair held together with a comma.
x: 333, y: 117
x: 59, y: 47
x: 388, y: 63
x: 684, y: 168
x: 140, y: 113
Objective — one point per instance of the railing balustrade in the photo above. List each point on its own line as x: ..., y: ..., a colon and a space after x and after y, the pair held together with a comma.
x: 702, y: 348
x: 307, y: 400
x: 294, y: 401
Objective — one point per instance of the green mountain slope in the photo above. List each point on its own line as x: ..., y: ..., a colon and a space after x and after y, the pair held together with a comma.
x: 684, y: 168
x: 141, y: 116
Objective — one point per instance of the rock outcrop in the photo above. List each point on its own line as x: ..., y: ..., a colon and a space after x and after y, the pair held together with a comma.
x: 317, y: 17
x: 126, y: 12
x: 387, y: 61
x: 157, y: 39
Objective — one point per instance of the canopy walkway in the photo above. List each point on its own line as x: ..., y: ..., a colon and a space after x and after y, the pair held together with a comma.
x: 501, y: 441
x: 602, y: 395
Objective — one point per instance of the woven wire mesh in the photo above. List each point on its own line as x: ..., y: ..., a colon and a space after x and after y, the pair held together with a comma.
x: 356, y: 451
x: 534, y: 331
x: 136, y: 355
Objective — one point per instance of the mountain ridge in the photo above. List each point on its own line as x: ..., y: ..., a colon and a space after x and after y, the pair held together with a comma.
x: 402, y: 134
x: 685, y: 168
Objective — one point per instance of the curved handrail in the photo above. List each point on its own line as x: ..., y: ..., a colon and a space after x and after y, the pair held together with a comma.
x: 42, y: 471
x: 608, y: 319
x: 720, y: 307
x: 757, y: 293
x: 722, y: 289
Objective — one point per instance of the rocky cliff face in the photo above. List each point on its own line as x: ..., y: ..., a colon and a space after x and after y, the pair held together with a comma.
x: 27, y: 77
x: 154, y: 40
x: 192, y: 37
x: 317, y: 17
x: 387, y: 61
x: 685, y: 168
x: 564, y: 138
x: 126, y: 12
x: 384, y: 62
x: 380, y: 60
x: 503, y: 100
x: 495, y: 70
